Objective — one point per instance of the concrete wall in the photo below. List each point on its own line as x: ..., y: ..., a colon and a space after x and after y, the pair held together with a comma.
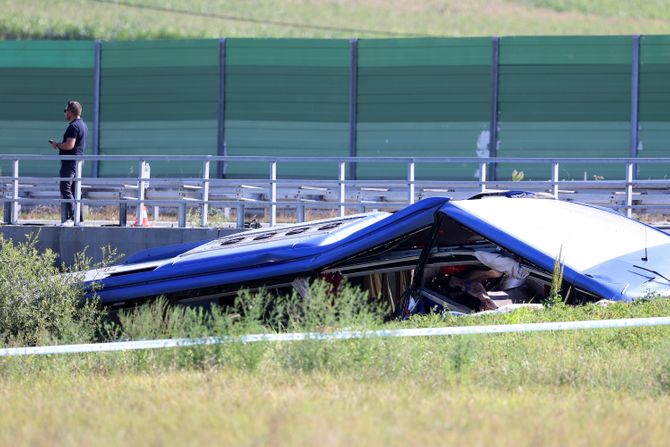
x: 68, y: 241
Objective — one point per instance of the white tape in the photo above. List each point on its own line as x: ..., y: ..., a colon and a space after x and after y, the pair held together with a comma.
x: 339, y: 335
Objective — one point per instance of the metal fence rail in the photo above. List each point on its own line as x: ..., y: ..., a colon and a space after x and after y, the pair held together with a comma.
x: 339, y: 193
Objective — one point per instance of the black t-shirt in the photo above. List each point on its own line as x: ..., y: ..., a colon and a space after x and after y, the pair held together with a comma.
x: 77, y: 130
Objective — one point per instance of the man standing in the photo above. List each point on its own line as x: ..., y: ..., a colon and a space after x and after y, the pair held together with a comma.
x: 74, y: 143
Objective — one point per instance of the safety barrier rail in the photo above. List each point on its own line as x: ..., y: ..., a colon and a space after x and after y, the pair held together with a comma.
x: 340, y: 193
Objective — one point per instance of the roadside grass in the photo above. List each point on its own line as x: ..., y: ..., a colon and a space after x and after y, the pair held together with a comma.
x: 650, y: 9
x: 294, y: 409
x: 609, y: 386
x: 39, y: 306
x: 635, y: 361
x: 149, y: 19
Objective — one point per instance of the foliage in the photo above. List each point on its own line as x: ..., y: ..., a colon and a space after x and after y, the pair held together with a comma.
x: 170, y: 19
x: 554, y: 298
x: 251, y: 312
x: 636, y: 9
x: 50, y: 309
x: 281, y: 408
x: 635, y: 360
x: 157, y: 320
x: 38, y: 304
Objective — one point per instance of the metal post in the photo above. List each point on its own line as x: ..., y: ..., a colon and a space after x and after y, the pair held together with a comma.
x: 554, y: 179
x: 493, y: 117
x: 141, y: 186
x: 77, y: 194
x: 629, y: 188
x: 341, y: 176
x: 205, y: 193
x: 240, y: 215
x: 273, y: 193
x: 482, y: 176
x: 300, y: 212
x: 181, y: 215
x: 634, y: 100
x: 221, y: 143
x: 353, y: 107
x: 96, y: 107
x: 410, y: 181
x: 15, y: 192
x: 123, y: 210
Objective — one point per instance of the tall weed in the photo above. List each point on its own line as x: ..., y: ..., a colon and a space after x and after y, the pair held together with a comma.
x: 554, y: 297
x: 39, y: 304
x: 159, y: 319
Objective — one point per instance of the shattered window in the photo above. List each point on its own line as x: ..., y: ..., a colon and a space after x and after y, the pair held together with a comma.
x: 452, y: 233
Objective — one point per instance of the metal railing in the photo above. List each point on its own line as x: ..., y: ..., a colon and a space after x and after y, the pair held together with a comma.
x: 340, y: 193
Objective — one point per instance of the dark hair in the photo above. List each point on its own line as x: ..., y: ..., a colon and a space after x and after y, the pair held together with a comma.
x: 74, y: 107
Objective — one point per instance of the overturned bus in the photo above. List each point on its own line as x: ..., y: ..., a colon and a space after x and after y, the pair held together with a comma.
x: 489, y: 251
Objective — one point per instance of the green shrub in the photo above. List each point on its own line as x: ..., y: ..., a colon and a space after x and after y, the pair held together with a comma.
x: 159, y: 319
x: 253, y: 313
x: 39, y: 304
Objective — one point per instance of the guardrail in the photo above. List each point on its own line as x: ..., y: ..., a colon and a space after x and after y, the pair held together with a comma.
x: 340, y: 193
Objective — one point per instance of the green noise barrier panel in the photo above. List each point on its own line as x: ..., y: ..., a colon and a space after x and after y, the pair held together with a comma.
x: 422, y: 98
x: 37, y: 78
x: 564, y: 97
x: 286, y: 98
x: 581, y: 96
x: 654, y: 104
x: 159, y: 98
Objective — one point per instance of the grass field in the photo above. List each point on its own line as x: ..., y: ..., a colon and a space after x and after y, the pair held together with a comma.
x: 143, y: 19
x: 231, y: 408
x: 610, y: 386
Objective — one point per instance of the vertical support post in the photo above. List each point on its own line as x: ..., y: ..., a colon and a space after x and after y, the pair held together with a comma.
x: 353, y: 107
x: 181, y: 215
x: 96, y: 107
x: 240, y: 215
x: 300, y: 212
x: 554, y: 179
x: 221, y: 140
x: 341, y: 182
x: 410, y: 181
x: 482, y: 176
x: 15, y: 192
x: 77, y: 193
x: 629, y: 187
x: 493, y: 116
x: 141, y: 191
x: 273, y: 193
x: 123, y: 210
x: 205, y: 193
x: 634, y: 101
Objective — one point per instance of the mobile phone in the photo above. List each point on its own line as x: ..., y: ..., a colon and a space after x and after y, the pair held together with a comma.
x: 51, y: 141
